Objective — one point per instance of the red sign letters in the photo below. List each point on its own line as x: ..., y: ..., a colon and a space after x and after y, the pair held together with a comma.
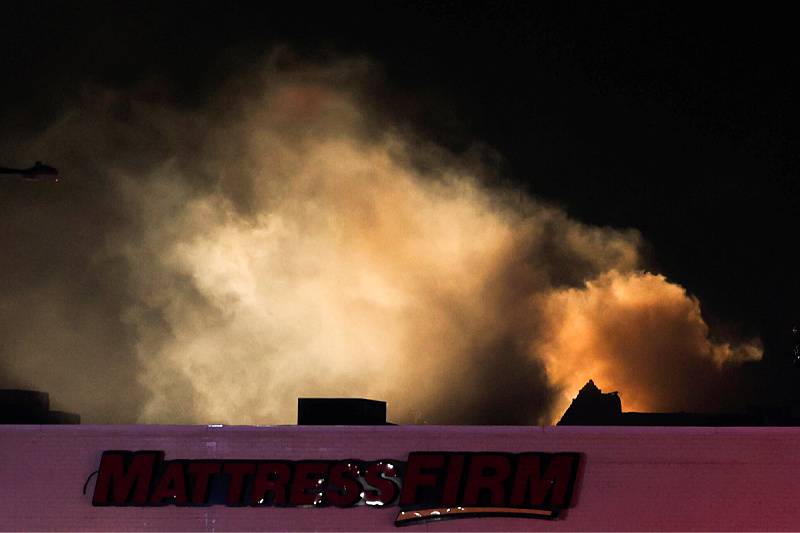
x: 428, y: 486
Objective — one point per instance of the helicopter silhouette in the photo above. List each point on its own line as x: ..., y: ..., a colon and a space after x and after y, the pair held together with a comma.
x: 37, y: 172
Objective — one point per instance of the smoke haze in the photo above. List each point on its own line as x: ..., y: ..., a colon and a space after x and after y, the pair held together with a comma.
x: 291, y: 240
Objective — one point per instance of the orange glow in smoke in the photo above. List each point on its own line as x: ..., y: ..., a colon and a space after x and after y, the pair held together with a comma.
x: 635, y: 333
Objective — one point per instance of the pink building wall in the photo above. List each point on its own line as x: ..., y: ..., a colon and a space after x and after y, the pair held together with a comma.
x: 631, y: 479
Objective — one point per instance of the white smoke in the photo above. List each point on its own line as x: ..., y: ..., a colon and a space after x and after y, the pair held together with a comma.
x: 289, y: 240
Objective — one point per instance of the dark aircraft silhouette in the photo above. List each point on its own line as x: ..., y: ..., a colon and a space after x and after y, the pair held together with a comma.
x: 37, y: 172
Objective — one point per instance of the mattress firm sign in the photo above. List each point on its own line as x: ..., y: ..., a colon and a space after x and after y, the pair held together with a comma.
x: 428, y: 486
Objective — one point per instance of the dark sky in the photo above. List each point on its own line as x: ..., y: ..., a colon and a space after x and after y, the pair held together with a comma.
x: 675, y: 118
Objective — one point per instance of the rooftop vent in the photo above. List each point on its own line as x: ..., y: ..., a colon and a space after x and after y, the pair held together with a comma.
x: 340, y: 412
x: 31, y: 407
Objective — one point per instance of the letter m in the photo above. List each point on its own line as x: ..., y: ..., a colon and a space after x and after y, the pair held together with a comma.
x: 124, y: 477
x: 548, y: 483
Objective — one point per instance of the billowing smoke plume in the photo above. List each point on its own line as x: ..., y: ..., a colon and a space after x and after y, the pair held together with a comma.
x: 288, y: 240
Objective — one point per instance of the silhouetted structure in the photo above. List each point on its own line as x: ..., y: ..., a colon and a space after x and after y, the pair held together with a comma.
x: 592, y: 407
x: 31, y: 407
x: 340, y: 412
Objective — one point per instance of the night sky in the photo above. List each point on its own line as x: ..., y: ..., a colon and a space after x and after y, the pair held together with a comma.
x: 676, y: 119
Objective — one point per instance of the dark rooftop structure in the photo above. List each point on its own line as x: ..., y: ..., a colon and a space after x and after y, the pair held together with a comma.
x: 31, y: 407
x: 592, y: 407
x: 340, y: 412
